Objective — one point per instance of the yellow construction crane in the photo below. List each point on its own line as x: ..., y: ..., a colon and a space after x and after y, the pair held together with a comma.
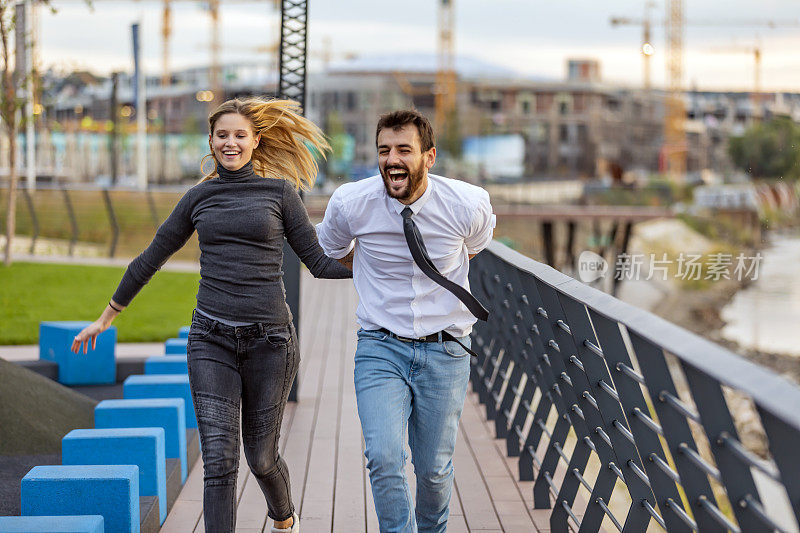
x: 215, y: 77
x: 674, y: 134
x: 647, y: 48
x: 674, y: 150
x: 755, y: 50
x: 214, y: 68
x: 446, y: 90
x: 166, y: 32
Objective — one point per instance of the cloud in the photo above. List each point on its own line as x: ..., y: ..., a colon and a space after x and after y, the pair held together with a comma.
x: 532, y: 37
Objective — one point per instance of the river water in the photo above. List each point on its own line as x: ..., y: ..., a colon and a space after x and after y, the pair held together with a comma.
x: 766, y: 315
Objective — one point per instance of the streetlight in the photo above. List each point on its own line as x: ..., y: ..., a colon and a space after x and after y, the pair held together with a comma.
x: 204, y: 96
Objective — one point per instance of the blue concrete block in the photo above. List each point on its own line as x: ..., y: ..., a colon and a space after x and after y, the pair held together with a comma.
x: 165, y: 413
x: 184, y: 332
x: 96, y: 367
x: 161, y: 386
x: 110, y: 491
x: 51, y: 524
x: 166, y: 364
x: 143, y: 447
x: 175, y: 346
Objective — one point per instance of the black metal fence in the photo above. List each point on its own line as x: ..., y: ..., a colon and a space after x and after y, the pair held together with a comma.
x: 110, y: 222
x: 623, y: 420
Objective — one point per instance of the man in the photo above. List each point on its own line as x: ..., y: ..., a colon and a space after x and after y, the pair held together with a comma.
x: 411, y: 362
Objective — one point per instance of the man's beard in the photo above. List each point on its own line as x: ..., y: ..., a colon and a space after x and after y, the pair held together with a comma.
x: 413, y: 181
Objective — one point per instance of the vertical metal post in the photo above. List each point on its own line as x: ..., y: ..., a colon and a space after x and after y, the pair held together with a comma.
x: 548, y: 244
x: 30, y: 133
x: 112, y: 219
x: 623, y: 250
x: 151, y: 203
x: 292, y: 85
x: 570, y: 259
x: 34, y: 219
x: 114, y: 137
x: 141, y: 108
x: 73, y: 221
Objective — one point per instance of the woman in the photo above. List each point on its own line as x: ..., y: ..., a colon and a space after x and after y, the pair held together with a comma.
x: 242, y: 348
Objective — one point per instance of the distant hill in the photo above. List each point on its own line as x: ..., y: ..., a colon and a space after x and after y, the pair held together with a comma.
x: 36, y: 412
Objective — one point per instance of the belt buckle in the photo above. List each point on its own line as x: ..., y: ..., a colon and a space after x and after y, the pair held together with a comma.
x: 405, y: 339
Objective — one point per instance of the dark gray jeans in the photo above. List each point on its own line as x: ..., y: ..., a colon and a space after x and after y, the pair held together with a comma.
x: 250, y: 370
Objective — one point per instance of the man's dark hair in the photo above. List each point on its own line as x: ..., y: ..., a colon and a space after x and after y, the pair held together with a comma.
x: 398, y: 119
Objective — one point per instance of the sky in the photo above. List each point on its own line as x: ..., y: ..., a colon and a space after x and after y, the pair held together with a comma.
x: 532, y: 37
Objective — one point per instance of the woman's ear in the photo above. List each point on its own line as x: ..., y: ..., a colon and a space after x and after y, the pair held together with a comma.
x: 258, y: 140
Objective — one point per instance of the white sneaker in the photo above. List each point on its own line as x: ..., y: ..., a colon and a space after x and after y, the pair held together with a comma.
x: 294, y: 529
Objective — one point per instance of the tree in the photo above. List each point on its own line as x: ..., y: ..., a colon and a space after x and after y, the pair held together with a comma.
x: 9, y: 105
x: 768, y: 149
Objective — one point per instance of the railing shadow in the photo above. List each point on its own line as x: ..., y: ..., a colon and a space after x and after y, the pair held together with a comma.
x: 640, y: 416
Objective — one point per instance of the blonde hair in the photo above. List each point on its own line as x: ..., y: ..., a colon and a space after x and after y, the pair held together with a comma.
x: 289, y: 142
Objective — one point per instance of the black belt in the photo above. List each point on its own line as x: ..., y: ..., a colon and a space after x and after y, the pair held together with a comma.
x: 433, y: 337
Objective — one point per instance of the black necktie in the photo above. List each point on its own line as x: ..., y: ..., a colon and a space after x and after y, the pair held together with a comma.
x: 423, y: 261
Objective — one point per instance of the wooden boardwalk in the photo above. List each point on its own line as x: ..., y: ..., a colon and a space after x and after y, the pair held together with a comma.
x: 321, y: 442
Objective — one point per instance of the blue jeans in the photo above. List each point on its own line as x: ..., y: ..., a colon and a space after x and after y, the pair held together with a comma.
x: 421, y: 386
x: 247, y: 370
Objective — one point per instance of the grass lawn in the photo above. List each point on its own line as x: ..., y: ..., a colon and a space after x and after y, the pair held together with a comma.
x: 33, y: 292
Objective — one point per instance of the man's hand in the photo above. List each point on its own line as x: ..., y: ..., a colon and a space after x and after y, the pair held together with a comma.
x: 347, y: 260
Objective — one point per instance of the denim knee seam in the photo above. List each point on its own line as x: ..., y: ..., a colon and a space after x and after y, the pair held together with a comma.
x: 220, y: 482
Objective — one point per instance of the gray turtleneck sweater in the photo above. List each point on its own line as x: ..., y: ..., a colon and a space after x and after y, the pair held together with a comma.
x: 241, y: 220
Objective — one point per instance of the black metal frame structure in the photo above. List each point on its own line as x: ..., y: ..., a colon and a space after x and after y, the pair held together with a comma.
x: 292, y: 85
x: 574, y: 378
x: 293, y: 57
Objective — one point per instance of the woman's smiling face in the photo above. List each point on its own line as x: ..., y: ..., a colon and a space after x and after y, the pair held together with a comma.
x: 233, y: 140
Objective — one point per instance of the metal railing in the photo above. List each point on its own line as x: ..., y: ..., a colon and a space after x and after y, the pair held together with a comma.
x: 109, y: 222
x: 600, y: 398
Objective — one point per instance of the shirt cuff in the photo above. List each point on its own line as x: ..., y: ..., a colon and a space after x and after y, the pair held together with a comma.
x: 338, y: 254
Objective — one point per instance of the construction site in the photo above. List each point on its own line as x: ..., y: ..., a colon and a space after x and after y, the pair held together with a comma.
x: 635, y: 367
x: 492, y: 123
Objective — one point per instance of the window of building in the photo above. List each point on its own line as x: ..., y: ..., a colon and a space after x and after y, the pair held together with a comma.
x: 564, y: 102
x: 526, y: 103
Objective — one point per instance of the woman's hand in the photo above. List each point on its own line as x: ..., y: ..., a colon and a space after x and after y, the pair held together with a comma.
x: 90, y: 332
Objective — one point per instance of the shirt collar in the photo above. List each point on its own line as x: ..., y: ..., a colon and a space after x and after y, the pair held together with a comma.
x: 418, y: 203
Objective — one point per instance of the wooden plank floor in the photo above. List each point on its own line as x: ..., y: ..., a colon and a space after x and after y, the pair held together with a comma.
x: 321, y: 442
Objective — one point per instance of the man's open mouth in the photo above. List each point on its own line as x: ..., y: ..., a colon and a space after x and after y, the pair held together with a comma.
x: 397, y: 175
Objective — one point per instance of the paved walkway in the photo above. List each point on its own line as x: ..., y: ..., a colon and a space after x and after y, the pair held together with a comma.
x: 135, y: 350
x: 321, y: 442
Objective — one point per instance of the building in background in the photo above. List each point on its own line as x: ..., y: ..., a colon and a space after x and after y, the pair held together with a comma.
x: 580, y: 126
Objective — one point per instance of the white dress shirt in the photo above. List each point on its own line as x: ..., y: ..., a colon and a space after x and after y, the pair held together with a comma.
x: 454, y: 218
